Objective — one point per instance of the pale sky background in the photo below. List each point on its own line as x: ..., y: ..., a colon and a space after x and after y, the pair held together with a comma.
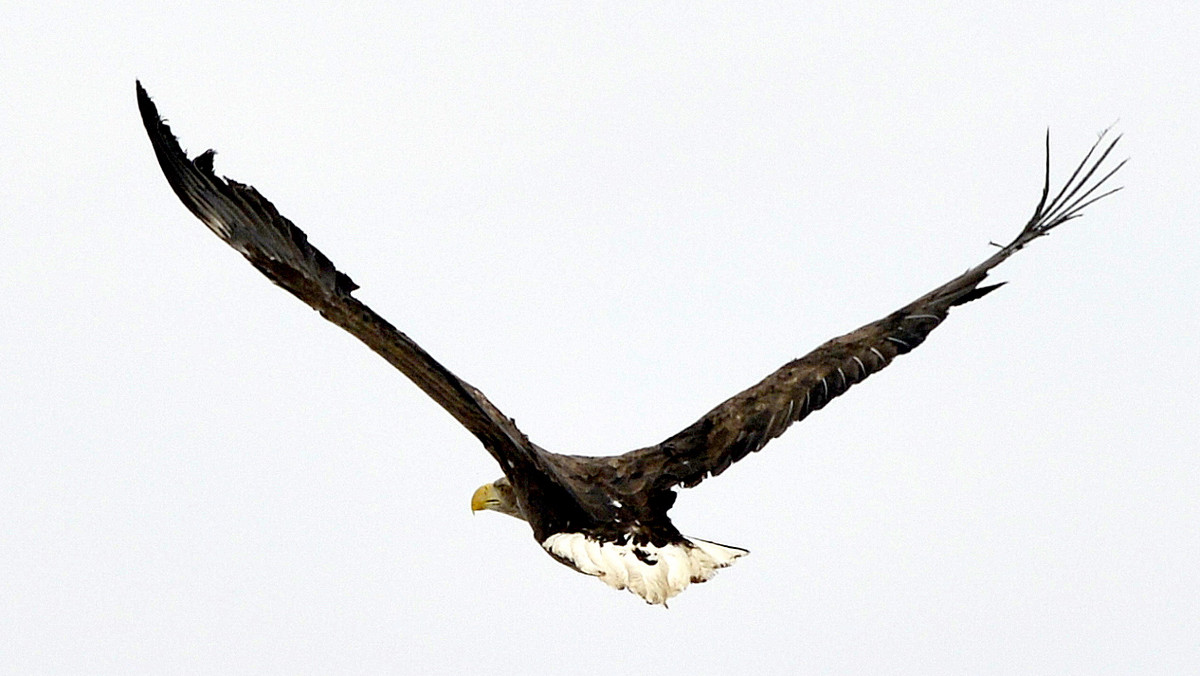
x: 609, y: 220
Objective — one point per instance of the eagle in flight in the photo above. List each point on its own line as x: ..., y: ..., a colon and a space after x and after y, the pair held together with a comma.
x: 602, y: 516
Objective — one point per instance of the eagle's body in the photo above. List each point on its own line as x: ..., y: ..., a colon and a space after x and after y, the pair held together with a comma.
x: 603, y: 516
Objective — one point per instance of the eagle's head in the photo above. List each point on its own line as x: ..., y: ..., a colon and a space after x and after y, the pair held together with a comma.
x: 497, y: 496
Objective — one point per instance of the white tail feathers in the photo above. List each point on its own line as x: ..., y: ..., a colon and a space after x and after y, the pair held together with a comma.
x: 654, y: 573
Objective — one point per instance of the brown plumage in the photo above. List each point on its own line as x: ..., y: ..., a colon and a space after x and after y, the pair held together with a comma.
x: 605, y: 516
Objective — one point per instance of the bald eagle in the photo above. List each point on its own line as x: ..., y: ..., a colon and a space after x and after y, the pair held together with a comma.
x: 602, y: 516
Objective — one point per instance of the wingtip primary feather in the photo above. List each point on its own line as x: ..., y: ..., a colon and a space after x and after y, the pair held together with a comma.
x: 1069, y: 203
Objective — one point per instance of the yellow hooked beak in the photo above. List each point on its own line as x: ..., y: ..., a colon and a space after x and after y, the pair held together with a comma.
x: 484, y: 498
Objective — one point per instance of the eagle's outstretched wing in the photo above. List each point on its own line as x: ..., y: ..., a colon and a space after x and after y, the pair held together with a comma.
x: 245, y: 220
x: 750, y: 419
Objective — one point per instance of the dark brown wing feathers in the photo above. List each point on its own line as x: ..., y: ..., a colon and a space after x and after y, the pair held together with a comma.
x: 750, y: 419
x: 249, y: 223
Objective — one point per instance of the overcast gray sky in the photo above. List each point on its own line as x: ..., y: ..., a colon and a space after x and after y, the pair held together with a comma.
x: 608, y: 220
